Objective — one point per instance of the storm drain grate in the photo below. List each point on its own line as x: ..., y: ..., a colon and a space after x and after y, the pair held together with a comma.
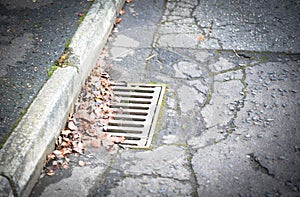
x: 135, y: 112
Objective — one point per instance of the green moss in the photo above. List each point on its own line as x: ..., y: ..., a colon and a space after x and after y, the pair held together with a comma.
x: 67, y: 44
x: 2, y: 142
x: 209, y: 95
x: 263, y: 59
x: 81, y: 18
x: 51, y: 70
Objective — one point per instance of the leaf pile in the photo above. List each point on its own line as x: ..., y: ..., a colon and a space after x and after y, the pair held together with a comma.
x: 86, y: 126
x: 93, y: 111
x: 69, y: 141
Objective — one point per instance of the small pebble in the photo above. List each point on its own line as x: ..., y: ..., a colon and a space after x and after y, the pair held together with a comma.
x: 254, y: 118
x: 248, y: 136
x: 260, y: 135
x: 282, y: 158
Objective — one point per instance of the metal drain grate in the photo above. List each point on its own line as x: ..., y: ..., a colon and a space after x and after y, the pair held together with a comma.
x: 135, y: 113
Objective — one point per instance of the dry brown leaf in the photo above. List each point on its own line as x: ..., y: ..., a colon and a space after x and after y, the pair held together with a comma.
x: 54, y: 163
x: 50, y: 172
x: 58, y: 141
x: 80, y: 145
x: 122, y: 12
x: 65, y: 165
x: 118, y: 20
x: 116, y: 139
x: 57, y: 152
x: 65, y: 132
x: 64, y: 144
x: 65, y: 151
x: 105, y: 109
x: 200, y: 38
x: 81, y: 163
x: 72, y: 126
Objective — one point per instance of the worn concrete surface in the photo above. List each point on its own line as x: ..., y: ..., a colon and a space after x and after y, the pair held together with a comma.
x: 230, y: 125
x: 22, y: 156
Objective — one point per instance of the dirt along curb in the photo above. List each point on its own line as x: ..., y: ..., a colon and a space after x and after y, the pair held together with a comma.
x: 23, y: 154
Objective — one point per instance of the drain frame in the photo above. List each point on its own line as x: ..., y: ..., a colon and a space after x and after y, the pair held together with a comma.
x: 136, y: 112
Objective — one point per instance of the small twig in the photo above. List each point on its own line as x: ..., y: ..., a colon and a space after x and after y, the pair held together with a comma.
x: 150, y: 57
x: 236, y: 53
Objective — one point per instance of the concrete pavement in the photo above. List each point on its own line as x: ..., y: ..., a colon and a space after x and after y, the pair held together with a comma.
x: 230, y: 123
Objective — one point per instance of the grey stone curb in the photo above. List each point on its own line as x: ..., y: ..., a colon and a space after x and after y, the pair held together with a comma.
x: 23, y: 154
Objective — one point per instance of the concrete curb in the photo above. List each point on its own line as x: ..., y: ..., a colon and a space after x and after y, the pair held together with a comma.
x: 23, y: 154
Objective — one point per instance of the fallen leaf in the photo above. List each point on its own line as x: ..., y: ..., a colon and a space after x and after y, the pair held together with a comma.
x: 58, y: 141
x: 122, y: 12
x: 118, y: 20
x: 66, y: 132
x: 72, y: 126
x: 64, y: 144
x: 50, y: 172
x: 57, y: 152
x: 54, y: 163
x: 80, y: 145
x: 65, y: 165
x: 65, y: 151
x: 116, y: 139
x: 81, y: 163
x: 128, y: 1
x: 200, y: 38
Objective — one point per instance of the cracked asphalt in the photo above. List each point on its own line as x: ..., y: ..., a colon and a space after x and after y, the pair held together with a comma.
x: 230, y: 121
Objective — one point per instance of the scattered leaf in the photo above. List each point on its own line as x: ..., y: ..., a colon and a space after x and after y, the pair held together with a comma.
x: 118, y: 20
x: 50, y: 173
x: 200, y: 38
x: 57, y: 152
x: 116, y: 139
x: 122, y: 12
x: 72, y: 126
x: 66, y: 132
x: 81, y: 163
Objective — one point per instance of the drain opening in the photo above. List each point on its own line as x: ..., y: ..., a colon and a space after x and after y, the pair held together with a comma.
x: 135, y: 113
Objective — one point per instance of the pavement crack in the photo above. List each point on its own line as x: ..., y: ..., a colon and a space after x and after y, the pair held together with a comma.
x: 194, y: 181
x: 257, y: 165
